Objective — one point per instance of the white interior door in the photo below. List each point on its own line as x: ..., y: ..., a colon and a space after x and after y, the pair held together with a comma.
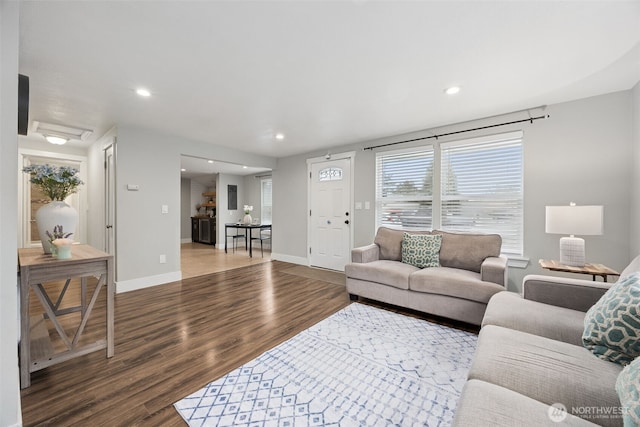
x: 330, y: 214
x: 110, y: 192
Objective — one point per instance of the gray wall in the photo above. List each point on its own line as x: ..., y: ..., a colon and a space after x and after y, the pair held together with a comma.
x: 223, y: 213
x: 143, y: 233
x: 290, y: 209
x: 185, y: 209
x: 635, y: 181
x: 10, y: 387
x: 582, y: 153
x: 252, y: 194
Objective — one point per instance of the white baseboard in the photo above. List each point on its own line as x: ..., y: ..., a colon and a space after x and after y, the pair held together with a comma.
x: 147, y: 282
x: 185, y: 240
x: 289, y: 258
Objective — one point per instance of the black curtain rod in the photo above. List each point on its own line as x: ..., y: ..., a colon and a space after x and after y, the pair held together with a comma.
x: 531, y: 119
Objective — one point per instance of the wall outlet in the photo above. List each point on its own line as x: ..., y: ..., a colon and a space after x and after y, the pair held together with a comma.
x: 163, y: 259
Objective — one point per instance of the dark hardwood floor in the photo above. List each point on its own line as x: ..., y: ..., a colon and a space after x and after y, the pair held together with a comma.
x: 173, y: 339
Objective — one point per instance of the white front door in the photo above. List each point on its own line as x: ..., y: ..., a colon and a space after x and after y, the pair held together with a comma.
x: 330, y: 214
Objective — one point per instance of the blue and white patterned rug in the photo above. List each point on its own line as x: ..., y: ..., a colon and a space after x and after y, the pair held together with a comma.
x: 360, y: 366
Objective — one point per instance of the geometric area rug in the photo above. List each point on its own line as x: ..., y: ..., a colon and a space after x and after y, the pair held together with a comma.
x: 361, y: 366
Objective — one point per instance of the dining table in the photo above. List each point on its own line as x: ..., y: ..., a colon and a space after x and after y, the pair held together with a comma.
x: 247, y: 235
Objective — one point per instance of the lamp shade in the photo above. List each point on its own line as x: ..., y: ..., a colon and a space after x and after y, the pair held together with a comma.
x: 574, y: 220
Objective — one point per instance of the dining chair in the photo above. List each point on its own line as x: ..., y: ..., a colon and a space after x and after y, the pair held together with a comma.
x: 235, y: 238
x: 262, y: 237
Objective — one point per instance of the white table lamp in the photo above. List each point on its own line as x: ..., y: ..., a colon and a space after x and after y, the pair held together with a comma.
x: 574, y: 220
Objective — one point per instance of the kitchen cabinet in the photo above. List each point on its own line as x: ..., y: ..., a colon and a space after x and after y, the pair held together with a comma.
x: 203, y: 230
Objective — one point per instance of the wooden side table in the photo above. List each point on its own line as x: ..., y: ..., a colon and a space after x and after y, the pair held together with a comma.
x: 594, y: 270
x: 36, y: 269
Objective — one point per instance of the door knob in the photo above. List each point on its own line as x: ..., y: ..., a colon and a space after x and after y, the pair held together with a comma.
x: 346, y: 221
x: 328, y: 222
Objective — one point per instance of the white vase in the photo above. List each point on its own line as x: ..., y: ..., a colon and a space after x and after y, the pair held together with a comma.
x: 247, y: 219
x: 52, y: 214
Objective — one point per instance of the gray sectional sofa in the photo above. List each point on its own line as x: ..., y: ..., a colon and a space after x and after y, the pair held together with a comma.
x: 530, y: 356
x: 471, y: 271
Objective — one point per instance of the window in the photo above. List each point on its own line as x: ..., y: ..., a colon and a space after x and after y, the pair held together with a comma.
x: 266, y: 205
x: 330, y: 174
x: 479, y: 184
x: 404, y: 189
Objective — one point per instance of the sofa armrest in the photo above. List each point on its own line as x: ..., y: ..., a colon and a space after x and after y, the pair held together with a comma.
x: 494, y: 269
x: 367, y: 253
x: 575, y: 294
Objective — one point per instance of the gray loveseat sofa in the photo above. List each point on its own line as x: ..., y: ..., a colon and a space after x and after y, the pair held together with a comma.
x: 530, y: 356
x: 471, y: 271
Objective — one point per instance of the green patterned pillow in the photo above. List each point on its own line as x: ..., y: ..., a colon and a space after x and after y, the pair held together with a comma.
x: 612, y: 325
x: 628, y: 389
x: 421, y: 250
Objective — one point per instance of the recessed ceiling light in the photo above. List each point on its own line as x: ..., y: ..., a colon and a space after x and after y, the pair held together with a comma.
x: 209, y: 161
x: 279, y: 136
x: 183, y: 170
x: 452, y: 90
x: 143, y: 92
x: 244, y: 167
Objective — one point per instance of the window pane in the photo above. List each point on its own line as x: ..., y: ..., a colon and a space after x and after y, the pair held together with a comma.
x: 404, y: 189
x: 266, y: 208
x: 482, y: 190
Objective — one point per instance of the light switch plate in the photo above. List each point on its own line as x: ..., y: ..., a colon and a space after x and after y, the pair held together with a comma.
x: 165, y: 209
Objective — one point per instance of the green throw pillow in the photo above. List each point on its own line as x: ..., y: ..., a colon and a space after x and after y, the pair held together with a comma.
x: 612, y: 325
x: 628, y: 389
x: 421, y: 250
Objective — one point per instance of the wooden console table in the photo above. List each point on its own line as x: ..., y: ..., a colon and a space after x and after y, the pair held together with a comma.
x: 36, y: 269
x: 594, y: 270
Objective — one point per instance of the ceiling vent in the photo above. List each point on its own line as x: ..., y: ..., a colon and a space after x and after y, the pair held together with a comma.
x: 68, y: 132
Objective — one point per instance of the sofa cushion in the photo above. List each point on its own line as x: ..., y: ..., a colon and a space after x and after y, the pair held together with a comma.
x: 510, y: 310
x: 546, y: 370
x: 487, y: 405
x: 390, y: 242
x: 467, y: 251
x: 421, y: 250
x: 391, y: 273
x: 612, y: 325
x: 628, y: 389
x: 453, y: 282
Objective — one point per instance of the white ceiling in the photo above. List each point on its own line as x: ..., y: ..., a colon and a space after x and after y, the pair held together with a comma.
x: 325, y: 73
x: 205, y: 170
